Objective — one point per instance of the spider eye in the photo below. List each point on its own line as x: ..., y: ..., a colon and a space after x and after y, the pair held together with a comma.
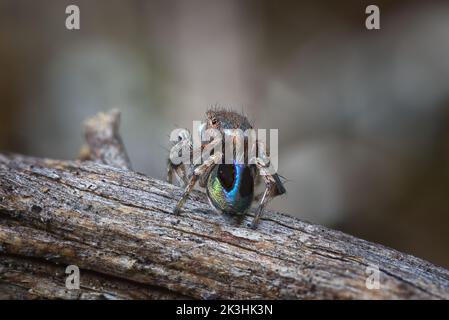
x: 214, y: 121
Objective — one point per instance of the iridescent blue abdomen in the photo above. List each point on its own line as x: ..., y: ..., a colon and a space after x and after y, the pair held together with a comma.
x: 230, y: 188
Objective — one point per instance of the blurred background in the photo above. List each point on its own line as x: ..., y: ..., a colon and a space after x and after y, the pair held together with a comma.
x: 363, y: 116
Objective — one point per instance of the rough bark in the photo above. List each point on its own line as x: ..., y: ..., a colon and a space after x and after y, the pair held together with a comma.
x: 103, y: 141
x: 28, y: 278
x: 117, y: 226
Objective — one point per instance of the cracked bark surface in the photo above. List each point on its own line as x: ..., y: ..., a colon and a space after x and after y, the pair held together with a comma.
x: 116, y: 226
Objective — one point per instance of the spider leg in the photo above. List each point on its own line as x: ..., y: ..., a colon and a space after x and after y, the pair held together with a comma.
x: 198, y: 172
x: 207, y: 149
x: 274, y: 186
x: 258, y: 196
x: 179, y: 171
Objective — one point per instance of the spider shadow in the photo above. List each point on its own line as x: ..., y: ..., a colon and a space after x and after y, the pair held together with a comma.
x: 235, y: 220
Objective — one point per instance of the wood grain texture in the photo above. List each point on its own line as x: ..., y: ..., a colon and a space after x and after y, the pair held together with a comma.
x: 117, y: 226
x: 119, y: 223
x: 103, y: 141
x: 25, y: 278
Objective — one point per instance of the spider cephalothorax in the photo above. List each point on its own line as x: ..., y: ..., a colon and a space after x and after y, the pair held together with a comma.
x: 223, y: 119
x: 229, y: 186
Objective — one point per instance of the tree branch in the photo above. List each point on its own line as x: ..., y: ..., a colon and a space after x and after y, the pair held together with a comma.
x: 104, y: 144
x: 118, y: 227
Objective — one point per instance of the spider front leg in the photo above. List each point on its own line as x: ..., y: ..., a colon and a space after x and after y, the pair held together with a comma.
x: 274, y: 187
x: 181, y: 170
x: 198, y: 172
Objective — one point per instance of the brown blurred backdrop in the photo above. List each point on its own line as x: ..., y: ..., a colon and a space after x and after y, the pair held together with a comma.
x: 363, y: 115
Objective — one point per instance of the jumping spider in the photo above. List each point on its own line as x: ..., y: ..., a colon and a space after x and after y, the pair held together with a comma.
x: 229, y: 187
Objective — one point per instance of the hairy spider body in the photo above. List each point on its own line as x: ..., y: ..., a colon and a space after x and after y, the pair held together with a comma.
x: 230, y: 186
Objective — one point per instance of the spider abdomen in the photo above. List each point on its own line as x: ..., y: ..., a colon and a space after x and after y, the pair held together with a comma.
x: 230, y: 188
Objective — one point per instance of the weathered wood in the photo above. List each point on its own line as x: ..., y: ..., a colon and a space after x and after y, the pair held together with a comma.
x: 104, y: 144
x: 30, y: 279
x: 25, y: 278
x: 117, y: 226
x: 119, y: 223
